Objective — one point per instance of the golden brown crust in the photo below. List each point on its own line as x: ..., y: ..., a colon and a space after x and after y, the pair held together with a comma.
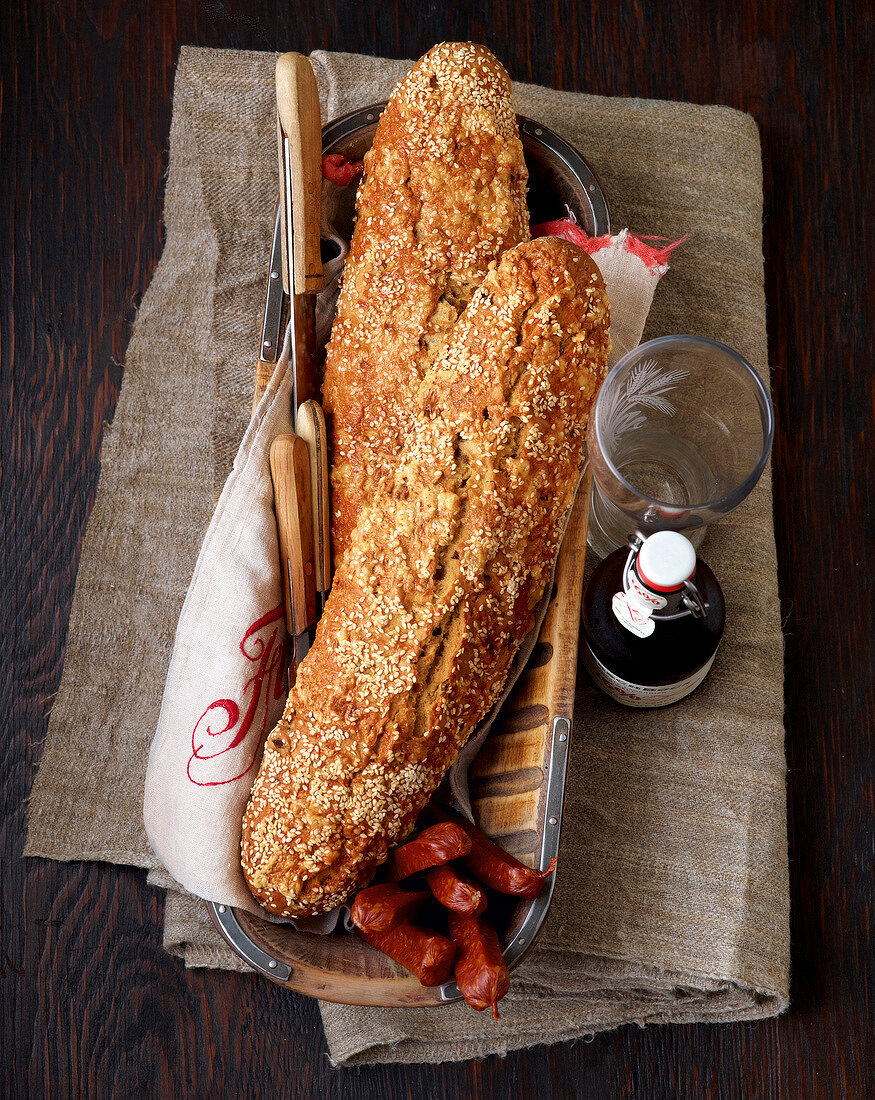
x: 437, y: 589
x: 443, y: 195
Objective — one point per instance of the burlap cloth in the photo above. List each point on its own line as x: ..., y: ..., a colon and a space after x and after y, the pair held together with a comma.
x: 672, y: 896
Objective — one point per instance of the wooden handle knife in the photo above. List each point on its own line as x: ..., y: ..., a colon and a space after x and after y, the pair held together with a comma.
x: 310, y: 427
x: 300, y: 151
x: 299, y: 134
x: 290, y: 473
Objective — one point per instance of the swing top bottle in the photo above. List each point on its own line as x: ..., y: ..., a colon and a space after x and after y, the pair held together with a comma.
x: 652, y: 619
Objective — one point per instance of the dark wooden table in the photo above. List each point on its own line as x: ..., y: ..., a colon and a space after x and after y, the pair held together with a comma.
x: 91, y: 1005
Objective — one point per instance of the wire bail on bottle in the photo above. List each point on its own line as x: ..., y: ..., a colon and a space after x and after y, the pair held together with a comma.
x: 670, y: 593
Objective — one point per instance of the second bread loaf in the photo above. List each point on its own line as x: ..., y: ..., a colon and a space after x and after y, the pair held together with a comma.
x: 438, y: 585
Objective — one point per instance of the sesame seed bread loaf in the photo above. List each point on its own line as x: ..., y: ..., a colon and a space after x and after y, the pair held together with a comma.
x: 437, y: 589
x: 443, y: 195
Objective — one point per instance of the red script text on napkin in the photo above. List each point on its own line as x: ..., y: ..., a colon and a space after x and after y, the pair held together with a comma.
x: 259, y: 645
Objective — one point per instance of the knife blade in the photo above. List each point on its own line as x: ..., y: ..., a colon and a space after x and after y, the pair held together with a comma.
x: 290, y: 474
x: 299, y: 142
x: 272, y: 323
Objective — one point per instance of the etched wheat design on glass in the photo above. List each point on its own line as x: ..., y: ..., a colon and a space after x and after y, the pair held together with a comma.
x: 682, y: 431
x: 645, y: 388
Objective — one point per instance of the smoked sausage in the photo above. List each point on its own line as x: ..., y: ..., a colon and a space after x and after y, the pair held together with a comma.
x: 434, y: 846
x: 423, y: 952
x: 492, y: 865
x: 481, y: 972
x: 381, y: 908
x: 456, y: 891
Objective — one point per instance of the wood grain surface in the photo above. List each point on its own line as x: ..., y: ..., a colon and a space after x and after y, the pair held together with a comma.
x: 91, y: 1004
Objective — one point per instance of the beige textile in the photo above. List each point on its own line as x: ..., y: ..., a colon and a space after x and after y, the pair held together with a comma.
x: 672, y: 896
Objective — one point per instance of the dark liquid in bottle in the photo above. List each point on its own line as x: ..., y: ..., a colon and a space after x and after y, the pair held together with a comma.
x: 672, y: 656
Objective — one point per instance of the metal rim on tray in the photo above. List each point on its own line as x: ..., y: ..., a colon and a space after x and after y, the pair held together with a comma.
x: 591, y: 189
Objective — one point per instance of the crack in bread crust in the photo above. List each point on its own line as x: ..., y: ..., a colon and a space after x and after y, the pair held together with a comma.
x: 437, y: 588
x: 443, y: 195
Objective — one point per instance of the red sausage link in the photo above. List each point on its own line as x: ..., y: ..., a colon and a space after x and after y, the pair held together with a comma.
x: 481, y: 971
x: 424, y: 953
x: 456, y: 891
x: 340, y: 169
x: 434, y: 846
x: 492, y: 865
x: 383, y: 907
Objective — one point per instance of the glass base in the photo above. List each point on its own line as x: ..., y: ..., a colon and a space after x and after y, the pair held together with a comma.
x: 610, y: 527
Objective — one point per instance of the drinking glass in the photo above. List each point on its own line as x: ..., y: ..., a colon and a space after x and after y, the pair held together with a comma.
x: 679, y: 435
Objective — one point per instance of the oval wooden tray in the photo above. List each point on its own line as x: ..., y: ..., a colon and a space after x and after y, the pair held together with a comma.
x: 517, y: 781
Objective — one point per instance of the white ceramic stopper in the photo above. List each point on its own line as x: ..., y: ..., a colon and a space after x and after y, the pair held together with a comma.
x: 666, y: 560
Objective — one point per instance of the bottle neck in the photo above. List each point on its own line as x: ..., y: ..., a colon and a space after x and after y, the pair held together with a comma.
x: 680, y: 600
x: 664, y: 602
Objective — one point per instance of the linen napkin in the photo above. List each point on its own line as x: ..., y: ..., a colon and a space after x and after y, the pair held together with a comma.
x: 672, y: 904
x: 225, y: 684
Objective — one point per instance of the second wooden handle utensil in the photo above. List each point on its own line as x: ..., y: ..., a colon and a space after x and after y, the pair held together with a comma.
x: 311, y: 428
x: 290, y: 472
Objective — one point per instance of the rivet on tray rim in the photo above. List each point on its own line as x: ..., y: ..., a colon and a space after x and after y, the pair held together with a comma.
x: 221, y: 908
x: 553, y: 820
x: 274, y: 274
x: 563, y: 736
x: 522, y: 939
x: 267, y: 343
x: 272, y: 964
